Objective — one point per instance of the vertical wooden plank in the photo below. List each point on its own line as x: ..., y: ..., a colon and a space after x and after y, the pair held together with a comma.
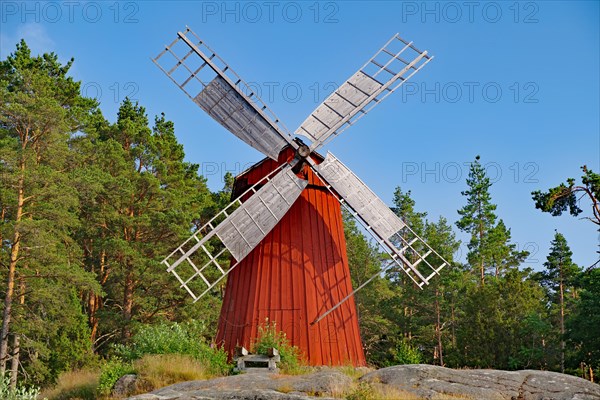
x: 313, y: 353
x: 350, y: 318
x: 338, y: 345
x: 323, y: 278
x: 299, y: 292
x: 334, y: 262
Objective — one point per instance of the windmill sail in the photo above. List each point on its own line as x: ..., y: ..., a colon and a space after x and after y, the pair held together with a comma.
x: 220, y: 92
x: 389, y: 68
x: 406, y: 250
x: 239, y: 232
x: 389, y: 230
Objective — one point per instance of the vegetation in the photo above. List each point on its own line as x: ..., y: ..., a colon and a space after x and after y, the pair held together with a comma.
x: 368, y: 391
x: 565, y: 196
x: 111, y: 371
x: 156, y: 371
x: 20, y: 393
x: 77, y: 384
x: 270, y: 337
x: 88, y: 208
x: 175, y: 338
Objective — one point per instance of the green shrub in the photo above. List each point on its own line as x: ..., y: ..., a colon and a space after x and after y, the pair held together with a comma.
x: 175, y: 338
x: 20, y: 393
x: 270, y: 337
x: 404, y: 353
x: 110, y: 373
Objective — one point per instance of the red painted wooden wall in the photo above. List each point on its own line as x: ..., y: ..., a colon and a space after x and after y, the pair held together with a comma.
x: 299, y: 271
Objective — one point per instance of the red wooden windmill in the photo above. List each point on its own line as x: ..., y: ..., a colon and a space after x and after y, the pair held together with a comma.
x: 284, y: 230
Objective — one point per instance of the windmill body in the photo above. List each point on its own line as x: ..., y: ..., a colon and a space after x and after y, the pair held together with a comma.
x: 297, y: 272
x: 283, y: 232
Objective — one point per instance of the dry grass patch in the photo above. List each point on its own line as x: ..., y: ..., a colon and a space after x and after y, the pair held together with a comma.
x: 377, y: 391
x: 353, y: 372
x: 156, y: 371
x: 370, y: 391
x: 74, y: 385
x: 285, y: 388
x: 447, y: 396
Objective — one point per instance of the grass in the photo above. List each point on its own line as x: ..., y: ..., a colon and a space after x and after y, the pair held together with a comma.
x: 80, y: 385
x: 368, y: 391
x: 351, y: 371
x: 156, y: 371
x: 285, y: 389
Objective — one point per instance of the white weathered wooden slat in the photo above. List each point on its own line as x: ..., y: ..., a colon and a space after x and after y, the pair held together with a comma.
x: 362, y: 91
x: 207, y: 79
x: 230, y: 109
x: 370, y: 207
x: 250, y: 223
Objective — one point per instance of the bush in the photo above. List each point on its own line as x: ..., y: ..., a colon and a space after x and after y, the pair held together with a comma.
x: 174, y: 338
x: 111, y: 372
x: 20, y: 393
x: 270, y: 337
x: 404, y: 353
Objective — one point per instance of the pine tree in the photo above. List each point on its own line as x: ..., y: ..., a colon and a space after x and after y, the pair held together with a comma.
x: 364, y: 261
x: 495, y: 317
x: 40, y: 111
x: 478, y: 217
x: 501, y: 253
x: 559, y: 279
x: 406, y: 292
x: 404, y: 207
x: 434, y: 304
x: 564, y: 197
x: 583, y: 324
x: 140, y: 199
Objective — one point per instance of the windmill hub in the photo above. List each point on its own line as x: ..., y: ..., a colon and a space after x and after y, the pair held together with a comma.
x: 303, y: 151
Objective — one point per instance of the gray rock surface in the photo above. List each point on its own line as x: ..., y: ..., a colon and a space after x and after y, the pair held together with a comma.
x: 257, y: 386
x: 430, y: 382
x: 126, y: 385
x: 422, y: 381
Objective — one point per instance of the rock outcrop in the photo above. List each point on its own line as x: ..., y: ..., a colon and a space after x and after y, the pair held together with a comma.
x: 430, y: 382
x: 408, y: 381
x: 258, y: 386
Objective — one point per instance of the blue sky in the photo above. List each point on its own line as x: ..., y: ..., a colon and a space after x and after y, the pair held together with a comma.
x: 515, y: 82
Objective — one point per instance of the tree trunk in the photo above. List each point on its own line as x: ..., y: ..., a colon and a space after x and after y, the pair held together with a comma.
x: 127, y: 301
x: 562, y: 324
x: 481, y: 232
x: 14, y: 363
x: 438, y: 327
x: 16, y: 350
x: 92, y: 318
x: 94, y: 301
x: 452, y: 324
x: 12, y: 268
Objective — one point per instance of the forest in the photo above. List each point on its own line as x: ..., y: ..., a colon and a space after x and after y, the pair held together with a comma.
x: 89, y: 208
